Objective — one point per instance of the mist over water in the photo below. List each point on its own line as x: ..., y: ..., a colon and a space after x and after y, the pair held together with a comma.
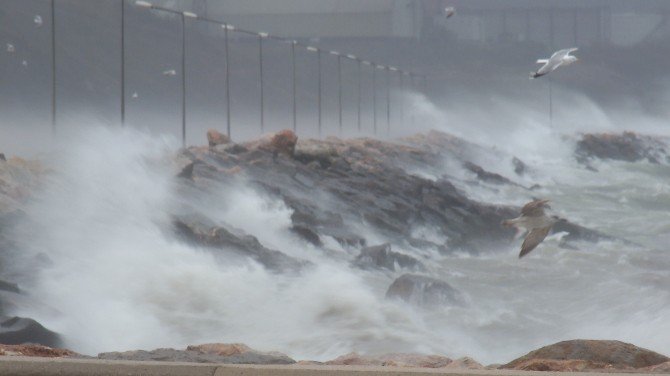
x: 115, y: 279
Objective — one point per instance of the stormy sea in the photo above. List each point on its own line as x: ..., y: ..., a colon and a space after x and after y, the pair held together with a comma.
x: 118, y: 239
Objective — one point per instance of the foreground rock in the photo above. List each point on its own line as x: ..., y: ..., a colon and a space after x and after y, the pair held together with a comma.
x: 424, y: 291
x: 35, y: 350
x: 207, y: 353
x: 628, y: 146
x: 392, y: 360
x: 581, y: 355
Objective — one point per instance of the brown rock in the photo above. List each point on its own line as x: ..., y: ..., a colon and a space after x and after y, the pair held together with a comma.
x: 215, y: 137
x: 35, y: 350
x: 392, y: 360
x: 223, y: 349
x: 595, y: 354
x: 283, y: 142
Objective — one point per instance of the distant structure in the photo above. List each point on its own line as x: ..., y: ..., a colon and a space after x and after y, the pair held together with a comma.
x: 564, y: 22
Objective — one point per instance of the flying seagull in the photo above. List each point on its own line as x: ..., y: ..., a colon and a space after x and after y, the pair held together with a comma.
x: 558, y: 59
x: 449, y: 11
x: 534, y: 220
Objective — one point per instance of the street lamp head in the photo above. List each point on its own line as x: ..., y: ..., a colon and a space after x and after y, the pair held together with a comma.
x: 190, y: 15
x: 143, y: 4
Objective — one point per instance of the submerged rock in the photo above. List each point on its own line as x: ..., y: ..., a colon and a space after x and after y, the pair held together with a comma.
x: 382, y: 257
x: 424, y: 291
x: 578, y: 355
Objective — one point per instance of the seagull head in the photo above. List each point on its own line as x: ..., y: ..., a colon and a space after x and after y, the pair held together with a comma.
x: 570, y: 59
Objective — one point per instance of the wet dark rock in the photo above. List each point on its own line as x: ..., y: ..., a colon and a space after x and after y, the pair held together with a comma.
x: 382, y: 257
x: 201, y: 231
x: 627, y: 146
x: 486, y: 176
x: 20, y: 330
x: 196, y: 355
x: 9, y: 286
x: 187, y: 171
x: 424, y: 291
x: 520, y: 168
x: 307, y: 234
x: 596, y: 354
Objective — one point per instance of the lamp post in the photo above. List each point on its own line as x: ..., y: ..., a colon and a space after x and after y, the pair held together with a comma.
x: 183, y: 16
x: 53, y: 66
x: 227, y: 27
x: 123, y: 62
x: 293, y: 85
x: 339, y: 87
x: 261, y: 36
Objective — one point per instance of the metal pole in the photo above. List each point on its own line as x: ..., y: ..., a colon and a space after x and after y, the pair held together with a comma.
x: 318, y: 57
x: 53, y: 66
x: 123, y: 62
x: 388, y: 100
x: 360, y: 99
x: 339, y: 89
x: 294, y: 86
x: 374, y: 98
x: 551, y: 105
x: 183, y: 80
x: 227, y: 82
x: 402, y: 100
x: 260, y: 65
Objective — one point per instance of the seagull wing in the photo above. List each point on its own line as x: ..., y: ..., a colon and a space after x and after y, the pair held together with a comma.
x: 535, y: 237
x: 534, y: 208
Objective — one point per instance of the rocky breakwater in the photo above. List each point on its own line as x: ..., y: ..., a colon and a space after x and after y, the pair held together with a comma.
x: 344, y: 189
x: 18, y: 179
x: 348, y: 192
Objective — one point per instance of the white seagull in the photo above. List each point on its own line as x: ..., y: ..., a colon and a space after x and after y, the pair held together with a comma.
x: 449, y: 11
x: 558, y: 59
x: 532, y: 219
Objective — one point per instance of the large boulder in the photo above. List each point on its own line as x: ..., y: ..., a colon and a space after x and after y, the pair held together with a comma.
x: 587, y: 354
x: 209, y: 353
x: 382, y: 257
x: 283, y: 142
x: 392, y: 360
x: 424, y: 291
